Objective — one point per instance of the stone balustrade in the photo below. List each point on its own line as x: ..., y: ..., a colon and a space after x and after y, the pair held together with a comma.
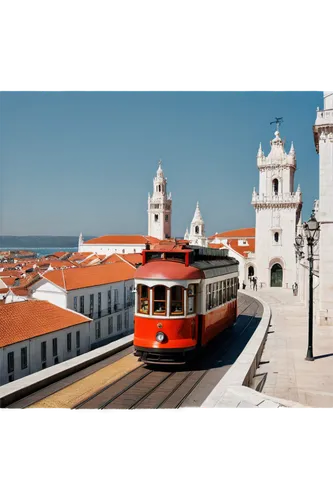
x: 278, y: 198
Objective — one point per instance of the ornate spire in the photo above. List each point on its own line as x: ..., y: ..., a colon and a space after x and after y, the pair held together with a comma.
x: 292, y: 149
x: 197, y: 214
x: 260, y: 151
x: 159, y: 170
x: 298, y: 189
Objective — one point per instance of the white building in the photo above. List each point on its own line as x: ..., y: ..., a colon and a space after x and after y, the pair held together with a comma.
x: 197, y: 236
x: 323, y: 136
x: 278, y: 211
x: 103, y: 293
x: 240, y: 244
x: 159, y: 207
x: 116, y: 243
x: 36, y: 334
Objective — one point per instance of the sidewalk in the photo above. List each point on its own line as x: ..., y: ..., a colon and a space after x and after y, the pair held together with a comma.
x: 289, y: 376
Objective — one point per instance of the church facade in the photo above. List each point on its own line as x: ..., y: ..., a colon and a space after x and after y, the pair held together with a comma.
x: 267, y: 251
x: 278, y: 212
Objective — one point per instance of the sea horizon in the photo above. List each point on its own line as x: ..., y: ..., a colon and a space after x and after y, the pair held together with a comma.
x: 43, y: 250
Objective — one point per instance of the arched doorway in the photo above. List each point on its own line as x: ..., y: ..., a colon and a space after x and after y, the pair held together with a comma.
x: 250, y: 272
x: 276, y: 275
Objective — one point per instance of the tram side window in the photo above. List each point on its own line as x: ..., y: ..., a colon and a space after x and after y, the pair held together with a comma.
x: 177, y: 300
x: 143, y: 302
x: 224, y: 284
x: 214, y: 294
x: 209, y: 297
x: 191, y: 297
x: 159, y: 299
x: 228, y: 290
x: 234, y: 288
x: 220, y: 293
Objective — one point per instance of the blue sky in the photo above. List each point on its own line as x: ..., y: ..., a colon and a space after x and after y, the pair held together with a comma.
x: 85, y: 161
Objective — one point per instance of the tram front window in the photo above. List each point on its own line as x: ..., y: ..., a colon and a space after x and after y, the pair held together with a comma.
x: 143, y: 302
x: 159, y: 299
x: 177, y: 300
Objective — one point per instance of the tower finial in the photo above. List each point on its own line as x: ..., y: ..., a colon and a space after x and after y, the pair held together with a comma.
x: 159, y: 170
x: 292, y: 149
x: 278, y: 122
x: 260, y: 151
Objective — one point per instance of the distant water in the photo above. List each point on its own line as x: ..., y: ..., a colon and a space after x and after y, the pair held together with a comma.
x: 44, y: 251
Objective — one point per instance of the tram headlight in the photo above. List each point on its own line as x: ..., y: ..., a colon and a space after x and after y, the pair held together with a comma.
x: 160, y: 337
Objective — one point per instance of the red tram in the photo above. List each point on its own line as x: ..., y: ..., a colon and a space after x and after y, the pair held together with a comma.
x: 185, y: 297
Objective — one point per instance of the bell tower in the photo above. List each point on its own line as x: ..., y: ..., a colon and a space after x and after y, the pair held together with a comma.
x: 323, y: 137
x: 159, y: 207
x: 278, y: 210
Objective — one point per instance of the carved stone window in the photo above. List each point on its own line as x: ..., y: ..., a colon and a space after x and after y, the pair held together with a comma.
x: 275, y: 185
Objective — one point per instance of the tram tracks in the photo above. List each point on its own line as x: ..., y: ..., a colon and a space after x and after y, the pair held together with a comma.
x: 145, y: 388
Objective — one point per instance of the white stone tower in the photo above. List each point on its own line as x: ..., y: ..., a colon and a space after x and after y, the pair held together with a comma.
x: 278, y: 210
x: 197, y: 231
x: 323, y: 136
x: 159, y: 207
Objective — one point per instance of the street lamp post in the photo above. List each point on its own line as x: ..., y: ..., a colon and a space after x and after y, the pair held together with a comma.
x: 311, y: 232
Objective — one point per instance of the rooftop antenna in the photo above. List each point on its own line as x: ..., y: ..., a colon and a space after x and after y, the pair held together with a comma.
x: 278, y: 122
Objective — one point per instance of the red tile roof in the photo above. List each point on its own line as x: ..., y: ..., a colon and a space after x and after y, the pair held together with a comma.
x: 215, y: 245
x: 131, y: 258
x: 248, y: 232
x: 59, y: 254
x: 242, y: 250
x: 84, y: 277
x: 58, y: 264
x: 79, y: 256
x: 9, y: 281
x: 25, y: 320
x: 122, y: 239
x: 10, y: 273
x: 23, y: 292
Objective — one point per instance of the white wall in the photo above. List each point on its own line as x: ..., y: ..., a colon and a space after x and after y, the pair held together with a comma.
x: 34, y: 351
x: 11, y: 297
x: 269, y: 252
x: 123, y: 306
x: 45, y: 290
x: 325, y: 217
